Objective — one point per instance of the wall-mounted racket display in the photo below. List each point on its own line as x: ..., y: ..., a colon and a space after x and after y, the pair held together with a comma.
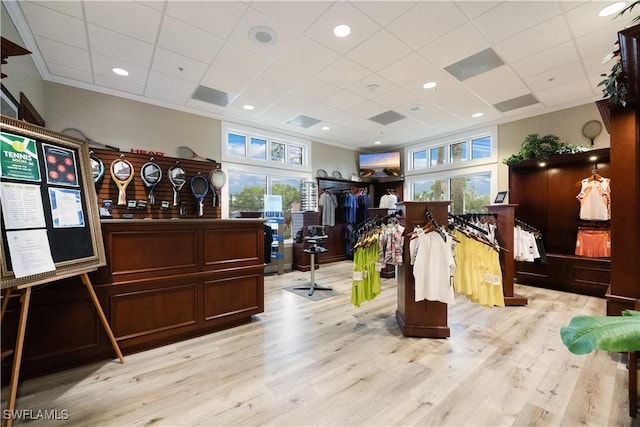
x: 217, y: 179
x: 199, y: 189
x: 188, y: 153
x: 177, y: 178
x: 122, y: 174
x: 151, y: 174
x: 97, y: 168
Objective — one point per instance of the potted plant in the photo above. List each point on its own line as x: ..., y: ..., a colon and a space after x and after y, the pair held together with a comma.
x: 609, y: 333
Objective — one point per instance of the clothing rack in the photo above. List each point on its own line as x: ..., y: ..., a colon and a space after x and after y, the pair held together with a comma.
x: 435, y: 224
x: 526, y: 226
x: 462, y: 221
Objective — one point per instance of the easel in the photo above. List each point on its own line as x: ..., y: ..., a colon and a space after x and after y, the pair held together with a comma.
x: 25, y: 299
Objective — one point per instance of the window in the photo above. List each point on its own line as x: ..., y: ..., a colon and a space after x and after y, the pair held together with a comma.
x: 468, y: 193
x: 258, y: 148
x: 277, y: 152
x: 437, y: 156
x: 458, y: 152
x: 481, y: 148
x: 237, y: 145
x: 431, y: 190
x: 419, y: 159
x: 295, y: 155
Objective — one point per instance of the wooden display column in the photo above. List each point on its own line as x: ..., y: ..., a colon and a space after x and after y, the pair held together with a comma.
x: 504, y: 235
x: 424, y: 319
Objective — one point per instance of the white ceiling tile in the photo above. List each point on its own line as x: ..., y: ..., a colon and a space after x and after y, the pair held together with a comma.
x: 263, y: 92
x: 343, y: 73
x: 344, y: 119
x: 384, y: 12
x: 584, y: 19
x: 102, y: 65
x: 167, y: 62
x: 225, y: 80
x: 204, y: 106
x: 514, y: 17
x: 372, y: 87
x: 189, y: 41
x: 130, y: 18
x: 215, y: 17
x: 284, y: 35
x: 379, y: 51
x: 240, y: 60
x: 365, y: 125
x: 164, y: 83
x: 367, y: 109
x: 62, y: 70
x: 109, y: 43
x: 362, y: 27
x: 426, y: 22
x: 307, y: 56
x: 454, y: 46
x: 564, y: 91
x: 345, y: 101
x: 594, y: 66
x: 491, y: 78
x: 71, y: 8
x: 52, y: 52
x: 53, y: 25
x: 315, y: 89
x: 281, y: 76
x: 553, y: 57
x: 408, y: 69
x: 166, y: 98
x: 597, y: 42
x: 299, y: 15
x: 153, y: 4
x: 543, y: 36
x: 241, y: 100
x: 395, y: 98
x: 555, y: 77
x: 495, y: 95
x: 473, y: 9
x: 118, y: 84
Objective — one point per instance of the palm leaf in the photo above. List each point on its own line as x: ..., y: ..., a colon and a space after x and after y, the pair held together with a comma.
x: 610, y: 333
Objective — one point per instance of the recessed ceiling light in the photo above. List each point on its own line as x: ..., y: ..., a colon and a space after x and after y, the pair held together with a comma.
x: 248, y: 107
x: 593, y: 158
x: 430, y: 85
x: 120, y: 71
x: 378, y: 142
x: 342, y: 30
x: 542, y: 164
x: 477, y: 115
x: 612, y: 8
x: 325, y: 128
x: 263, y: 35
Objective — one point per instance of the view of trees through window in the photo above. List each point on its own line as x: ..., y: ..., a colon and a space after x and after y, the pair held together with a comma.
x: 468, y: 194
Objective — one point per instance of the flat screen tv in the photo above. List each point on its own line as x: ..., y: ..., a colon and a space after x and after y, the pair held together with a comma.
x: 380, y: 165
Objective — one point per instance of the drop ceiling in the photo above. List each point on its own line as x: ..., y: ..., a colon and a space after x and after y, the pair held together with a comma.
x: 512, y: 59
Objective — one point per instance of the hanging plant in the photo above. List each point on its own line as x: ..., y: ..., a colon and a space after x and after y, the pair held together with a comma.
x: 536, y: 147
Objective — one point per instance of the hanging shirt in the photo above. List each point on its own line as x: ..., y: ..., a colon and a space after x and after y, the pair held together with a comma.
x: 329, y: 203
x: 433, y: 268
x: 595, y: 199
x: 350, y: 206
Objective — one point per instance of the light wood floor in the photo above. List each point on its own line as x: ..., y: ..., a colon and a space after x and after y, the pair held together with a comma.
x: 329, y: 363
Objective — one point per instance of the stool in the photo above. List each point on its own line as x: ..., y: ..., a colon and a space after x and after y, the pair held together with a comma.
x: 312, y: 250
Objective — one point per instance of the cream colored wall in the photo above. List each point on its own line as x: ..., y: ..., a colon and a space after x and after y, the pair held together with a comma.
x: 21, y: 71
x: 130, y: 124
x: 566, y: 124
x: 332, y: 158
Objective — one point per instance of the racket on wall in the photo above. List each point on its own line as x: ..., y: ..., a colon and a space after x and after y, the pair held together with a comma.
x: 78, y: 134
x: 121, y: 174
x: 188, y: 153
x: 217, y: 179
x: 177, y: 178
x: 97, y: 168
x: 151, y: 175
x: 199, y: 188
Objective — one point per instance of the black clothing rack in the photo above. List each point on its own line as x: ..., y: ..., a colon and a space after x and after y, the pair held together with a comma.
x: 457, y: 219
x: 433, y: 221
x: 526, y: 226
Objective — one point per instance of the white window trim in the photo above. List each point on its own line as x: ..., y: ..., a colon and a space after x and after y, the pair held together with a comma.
x: 249, y: 132
x: 446, y: 142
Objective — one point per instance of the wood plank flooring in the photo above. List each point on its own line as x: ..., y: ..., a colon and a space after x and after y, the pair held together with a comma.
x: 328, y: 363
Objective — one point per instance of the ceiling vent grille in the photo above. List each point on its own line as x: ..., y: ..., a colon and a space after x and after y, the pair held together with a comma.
x: 515, y: 103
x: 303, y: 121
x: 212, y: 96
x: 387, y: 117
x: 475, y: 64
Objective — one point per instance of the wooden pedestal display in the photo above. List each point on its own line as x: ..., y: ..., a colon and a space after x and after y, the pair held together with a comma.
x: 425, y: 319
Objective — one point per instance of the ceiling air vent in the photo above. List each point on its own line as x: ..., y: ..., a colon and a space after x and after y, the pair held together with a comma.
x: 515, y: 103
x: 212, y: 96
x: 303, y: 121
x: 387, y: 117
x: 475, y: 64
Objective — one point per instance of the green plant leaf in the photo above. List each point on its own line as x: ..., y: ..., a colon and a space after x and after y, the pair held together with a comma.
x: 610, y: 333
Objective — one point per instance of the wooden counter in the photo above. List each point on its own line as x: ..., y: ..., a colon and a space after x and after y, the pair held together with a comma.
x: 165, y: 281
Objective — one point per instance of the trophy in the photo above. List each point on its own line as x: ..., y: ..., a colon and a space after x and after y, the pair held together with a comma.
x: 122, y: 174
x: 199, y: 189
x: 177, y: 178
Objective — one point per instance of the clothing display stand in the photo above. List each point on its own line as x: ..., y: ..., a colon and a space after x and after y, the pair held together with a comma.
x: 315, y: 247
x: 424, y: 319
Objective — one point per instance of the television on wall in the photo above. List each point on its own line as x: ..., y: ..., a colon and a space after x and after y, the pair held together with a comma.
x: 379, y: 165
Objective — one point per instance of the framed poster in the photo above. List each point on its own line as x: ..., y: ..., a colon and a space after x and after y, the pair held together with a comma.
x: 50, y: 223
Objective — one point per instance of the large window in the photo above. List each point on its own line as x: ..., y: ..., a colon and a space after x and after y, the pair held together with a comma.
x: 470, y: 193
x: 260, y: 163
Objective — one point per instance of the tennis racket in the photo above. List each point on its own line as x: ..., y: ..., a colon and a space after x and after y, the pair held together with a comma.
x: 188, y: 153
x: 217, y: 179
x: 199, y: 189
x: 78, y: 134
x: 177, y: 178
x: 121, y: 174
x: 151, y: 175
x: 97, y: 168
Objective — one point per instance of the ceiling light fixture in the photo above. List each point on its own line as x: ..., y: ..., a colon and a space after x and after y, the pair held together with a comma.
x: 342, y: 30
x: 378, y: 142
x: 120, y: 71
x: 612, y: 8
x: 430, y: 85
x: 248, y: 107
x: 593, y: 158
x: 263, y: 35
x: 474, y: 115
x: 542, y: 164
x: 415, y: 108
x: 326, y: 128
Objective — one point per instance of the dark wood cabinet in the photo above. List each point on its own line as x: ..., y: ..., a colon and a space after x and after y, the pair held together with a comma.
x: 546, y: 199
x: 165, y: 281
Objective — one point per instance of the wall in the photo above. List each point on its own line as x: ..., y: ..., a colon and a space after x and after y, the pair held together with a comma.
x: 21, y: 71
x: 332, y: 158
x: 566, y: 124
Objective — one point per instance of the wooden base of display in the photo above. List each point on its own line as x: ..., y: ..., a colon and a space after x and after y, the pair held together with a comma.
x: 422, y: 331
x: 515, y: 300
